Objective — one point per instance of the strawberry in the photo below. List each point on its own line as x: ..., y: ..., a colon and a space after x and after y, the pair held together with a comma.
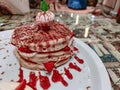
x: 49, y: 66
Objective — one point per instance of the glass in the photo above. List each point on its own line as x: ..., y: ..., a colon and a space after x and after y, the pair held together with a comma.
x: 77, y: 4
x: 92, y: 2
x: 118, y: 16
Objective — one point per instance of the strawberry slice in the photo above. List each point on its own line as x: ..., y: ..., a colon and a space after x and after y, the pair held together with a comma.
x: 49, y: 66
x: 21, y: 86
x: 25, y: 49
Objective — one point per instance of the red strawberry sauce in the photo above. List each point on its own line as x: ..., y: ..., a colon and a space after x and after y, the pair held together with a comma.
x: 74, y: 66
x: 68, y: 74
x: 75, y: 48
x: 49, y: 66
x: 32, y: 80
x: 20, y: 75
x: 57, y: 77
x: 25, y: 49
x: 21, y: 86
x: 44, y: 81
x: 79, y: 60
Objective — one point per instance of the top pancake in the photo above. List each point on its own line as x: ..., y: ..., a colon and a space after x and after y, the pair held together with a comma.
x: 35, y: 39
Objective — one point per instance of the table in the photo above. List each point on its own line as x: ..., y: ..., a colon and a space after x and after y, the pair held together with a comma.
x: 100, y: 33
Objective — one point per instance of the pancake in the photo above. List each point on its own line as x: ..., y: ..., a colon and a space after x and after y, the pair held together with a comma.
x: 44, y: 44
x: 39, y: 65
x: 37, y: 40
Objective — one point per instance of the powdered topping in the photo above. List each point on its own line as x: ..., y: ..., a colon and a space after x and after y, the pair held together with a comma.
x: 31, y: 37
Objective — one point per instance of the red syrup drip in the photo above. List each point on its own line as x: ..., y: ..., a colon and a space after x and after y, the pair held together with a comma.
x: 20, y: 75
x: 74, y: 66
x: 79, y: 60
x: 32, y: 80
x: 57, y: 77
x: 21, y: 86
x: 44, y: 27
x: 68, y: 74
x: 66, y: 48
x: 25, y: 49
x: 44, y: 82
x: 75, y: 49
x: 49, y: 66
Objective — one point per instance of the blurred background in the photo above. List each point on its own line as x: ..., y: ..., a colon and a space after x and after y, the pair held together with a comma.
x: 24, y: 6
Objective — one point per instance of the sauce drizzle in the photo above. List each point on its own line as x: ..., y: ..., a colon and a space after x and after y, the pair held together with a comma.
x: 32, y: 80
x: 68, y: 74
x: 21, y: 86
x: 20, y: 75
x: 57, y: 77
x: 44, y: 81
x: 74, y: 66
x: 79, y: 60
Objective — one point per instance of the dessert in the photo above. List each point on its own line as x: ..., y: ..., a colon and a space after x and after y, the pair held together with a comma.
x: 45, y: 45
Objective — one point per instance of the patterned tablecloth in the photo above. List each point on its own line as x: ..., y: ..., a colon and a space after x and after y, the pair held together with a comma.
x: 100, y: 33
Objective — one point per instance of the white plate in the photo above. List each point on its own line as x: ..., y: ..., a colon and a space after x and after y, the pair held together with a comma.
x: 11, y: 86
x: 92, y: 77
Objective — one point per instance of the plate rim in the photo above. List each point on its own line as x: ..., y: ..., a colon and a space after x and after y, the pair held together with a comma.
x: 105, y: 80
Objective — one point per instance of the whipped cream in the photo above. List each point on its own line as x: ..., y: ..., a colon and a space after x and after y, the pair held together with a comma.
x: 44, y: 17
